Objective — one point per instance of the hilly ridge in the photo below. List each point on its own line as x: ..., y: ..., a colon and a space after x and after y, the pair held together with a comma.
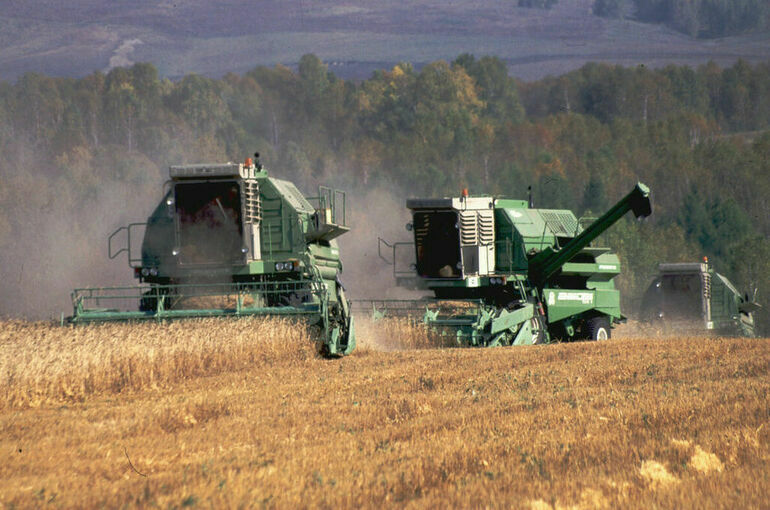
x: 182, y: 37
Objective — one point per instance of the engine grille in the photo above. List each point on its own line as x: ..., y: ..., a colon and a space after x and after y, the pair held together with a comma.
x: 253, y: 205
x: 477, y: 228
x: 562, y: 224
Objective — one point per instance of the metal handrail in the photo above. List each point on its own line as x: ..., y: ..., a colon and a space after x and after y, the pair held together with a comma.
x: 392, y: 262
x: 127, y: 247
x: 338, y: 193
x: 328, y: 197
x: 380, y: 242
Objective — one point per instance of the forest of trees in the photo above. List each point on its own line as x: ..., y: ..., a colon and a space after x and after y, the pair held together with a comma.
x: 697, y: 18
x: 538, y: 4
x: 698, y: 137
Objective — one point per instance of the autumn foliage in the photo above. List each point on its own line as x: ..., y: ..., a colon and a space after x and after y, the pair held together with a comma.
x: 84, y: 156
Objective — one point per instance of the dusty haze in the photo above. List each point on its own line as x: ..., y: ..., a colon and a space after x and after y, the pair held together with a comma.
x: 64, y: 245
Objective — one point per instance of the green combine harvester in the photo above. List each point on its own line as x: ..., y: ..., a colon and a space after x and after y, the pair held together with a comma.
x: 692, y: 298
x: 229, y: 240
x: 505, y: 273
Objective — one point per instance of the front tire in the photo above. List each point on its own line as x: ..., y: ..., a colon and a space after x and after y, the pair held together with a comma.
x: 598, y: 328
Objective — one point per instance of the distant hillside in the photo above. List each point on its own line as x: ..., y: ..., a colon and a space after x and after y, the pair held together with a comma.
x: 356, y: 38
x: 704, y: 18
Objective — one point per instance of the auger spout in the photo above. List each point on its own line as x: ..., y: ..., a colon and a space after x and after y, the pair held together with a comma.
x: 546, y: 263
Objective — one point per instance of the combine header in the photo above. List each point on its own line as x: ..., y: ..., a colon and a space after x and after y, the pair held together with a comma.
x: 229, y: 240
x: 504, y: 273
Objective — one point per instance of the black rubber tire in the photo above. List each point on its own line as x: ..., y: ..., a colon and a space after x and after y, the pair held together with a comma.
x: 598, y: 328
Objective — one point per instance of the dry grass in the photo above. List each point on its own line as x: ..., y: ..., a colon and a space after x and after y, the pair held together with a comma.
x: 624, y: 423
x: 41, y: 363
x: 398, y: 334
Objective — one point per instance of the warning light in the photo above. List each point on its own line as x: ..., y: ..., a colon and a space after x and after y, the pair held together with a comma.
x: 705, y: 260
x: 465, y: 192
x: 248, y: 163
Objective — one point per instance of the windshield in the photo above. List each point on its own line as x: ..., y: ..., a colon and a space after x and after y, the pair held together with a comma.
x: 209, y: 222
x: 437, y: 241
x: 682, y: 295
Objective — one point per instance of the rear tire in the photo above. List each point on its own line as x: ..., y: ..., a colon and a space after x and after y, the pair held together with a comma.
x: 598, y: 328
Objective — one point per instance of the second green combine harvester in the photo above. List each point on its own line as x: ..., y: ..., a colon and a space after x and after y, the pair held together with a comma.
x: 504, y: 273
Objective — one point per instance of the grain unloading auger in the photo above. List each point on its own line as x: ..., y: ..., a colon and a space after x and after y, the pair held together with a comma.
x: 229, y: 240
x: 505, y: 273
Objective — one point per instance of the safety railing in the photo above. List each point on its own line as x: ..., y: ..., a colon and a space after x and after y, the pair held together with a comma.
x: 128, y: 242
x: 334, y: 201
x: 399, y: 251
x: 294, y: 297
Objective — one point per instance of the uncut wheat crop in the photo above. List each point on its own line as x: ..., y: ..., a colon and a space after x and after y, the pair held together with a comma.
x: 40, y: 362
x: 245, y: 414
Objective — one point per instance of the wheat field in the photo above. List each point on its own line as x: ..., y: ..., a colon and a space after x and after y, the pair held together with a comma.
x: 243, y: 413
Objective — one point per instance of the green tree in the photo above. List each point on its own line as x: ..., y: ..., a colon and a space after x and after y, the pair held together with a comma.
x: 609, y: 8
x: 315, y: 81
x: 538, y: 4
x: 121, y: 106
x: 281, y: 107
x: 495, y: 88
x: 37, y: 108
x: 199, y: 101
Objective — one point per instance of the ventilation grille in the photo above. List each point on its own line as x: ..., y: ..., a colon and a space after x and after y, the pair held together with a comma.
x: 253, y: 204
x: 477, y: 228
x: 486, y: 227
x: 706, y: 280
x: 562, y: 224
x: 468, y: 232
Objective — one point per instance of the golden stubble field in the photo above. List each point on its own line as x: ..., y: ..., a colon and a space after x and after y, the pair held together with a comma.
x: 244, y: 414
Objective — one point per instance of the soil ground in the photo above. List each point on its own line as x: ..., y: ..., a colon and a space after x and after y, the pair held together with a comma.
x: 633, y: 422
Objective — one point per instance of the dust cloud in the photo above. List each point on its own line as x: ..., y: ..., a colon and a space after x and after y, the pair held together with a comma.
x: 376, y: 213
x: 58, y: 240
x: 59, y: 237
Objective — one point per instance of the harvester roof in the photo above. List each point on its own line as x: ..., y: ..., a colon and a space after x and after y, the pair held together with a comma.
x: 204, y: 170
x: 682, y: 267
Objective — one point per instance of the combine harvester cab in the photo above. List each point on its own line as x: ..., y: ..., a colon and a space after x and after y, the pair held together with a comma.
x: 505, y: 273
x: 229, y: 240
x: 691, y: 298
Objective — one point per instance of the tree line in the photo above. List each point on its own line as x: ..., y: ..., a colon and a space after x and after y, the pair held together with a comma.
x: 697, y: 18
x: 699, y: 137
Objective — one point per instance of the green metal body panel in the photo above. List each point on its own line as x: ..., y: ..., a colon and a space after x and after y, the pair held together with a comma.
x: 567, y: 303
